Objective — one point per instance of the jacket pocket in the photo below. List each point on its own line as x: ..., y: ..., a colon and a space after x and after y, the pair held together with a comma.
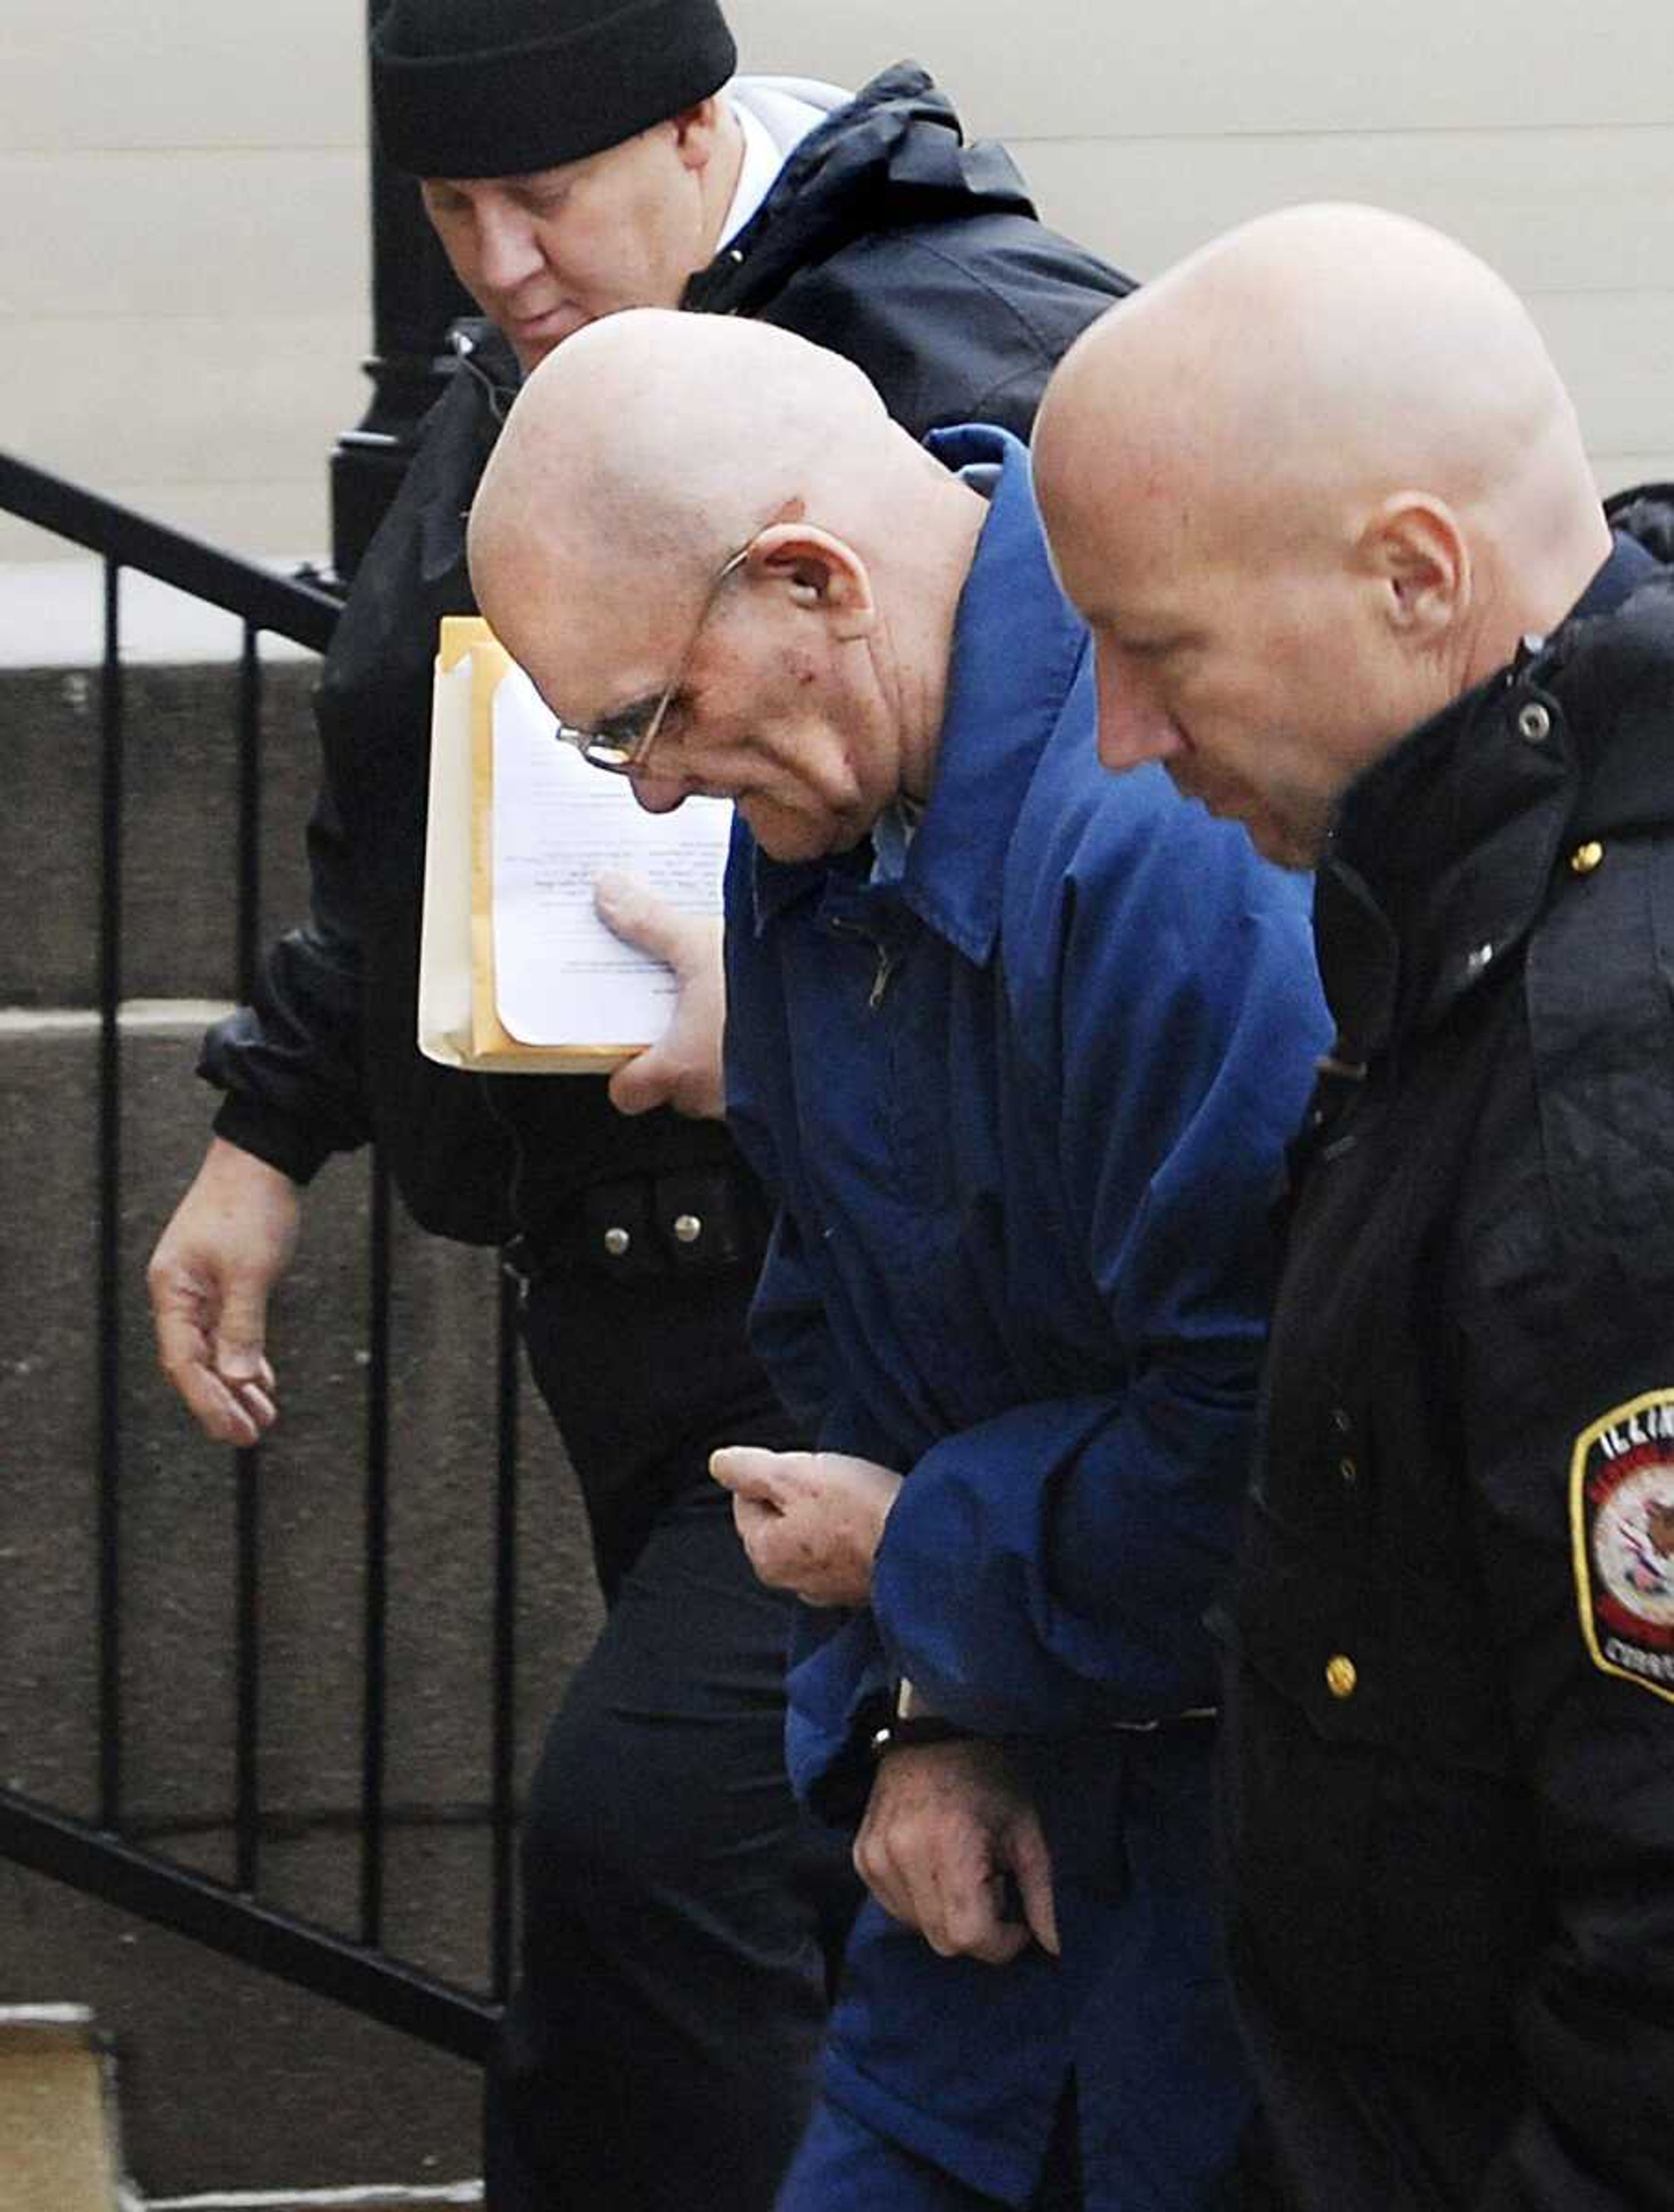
x: 1381, y: 1841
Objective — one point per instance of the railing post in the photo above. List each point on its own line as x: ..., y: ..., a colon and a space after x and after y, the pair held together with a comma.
x: 102, y: 1854
x: 374, y: 1714
x: 503, y: 1719
x: 415, y: 296
x: 248, y: 1463
x: 111, y: 1284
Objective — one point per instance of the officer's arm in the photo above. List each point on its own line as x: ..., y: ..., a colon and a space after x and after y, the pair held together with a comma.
x: 1576, y: 1521
x: 1567, y: 1389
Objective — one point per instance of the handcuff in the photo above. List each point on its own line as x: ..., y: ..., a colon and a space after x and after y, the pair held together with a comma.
x: 909, y: 1726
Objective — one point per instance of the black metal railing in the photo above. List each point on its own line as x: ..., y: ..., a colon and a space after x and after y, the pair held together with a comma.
x: 102, y: 1855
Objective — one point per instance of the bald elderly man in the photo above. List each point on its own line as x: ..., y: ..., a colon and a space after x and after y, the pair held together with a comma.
x: 1013, y: 1046
x: 1351, y: 585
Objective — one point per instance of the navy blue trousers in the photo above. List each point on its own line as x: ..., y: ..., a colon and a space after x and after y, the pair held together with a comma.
x: 842, y: 2167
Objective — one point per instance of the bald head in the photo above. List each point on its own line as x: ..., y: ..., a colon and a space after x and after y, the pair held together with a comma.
x: 653, y: 429
x: 1341, y: 404
x: 1341, y: 349
x: 657, y: 456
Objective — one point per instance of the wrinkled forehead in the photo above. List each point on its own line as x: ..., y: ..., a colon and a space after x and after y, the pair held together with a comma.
x: 588, y: 667
x: 596, y: 655
x: 544, y: 599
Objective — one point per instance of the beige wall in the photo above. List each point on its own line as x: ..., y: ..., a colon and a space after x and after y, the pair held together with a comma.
x: 183, y: 285
x: 183, y: 269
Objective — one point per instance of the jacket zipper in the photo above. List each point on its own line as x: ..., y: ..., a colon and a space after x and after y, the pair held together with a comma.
x: 465, y: 352
x: 512, y: 1191
x: 886, y: 955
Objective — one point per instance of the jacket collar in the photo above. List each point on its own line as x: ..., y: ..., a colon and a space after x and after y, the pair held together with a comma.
x: 1445, y: 851
x: 891, y: 155
x: 482, y: 357
x: 1016, y: 648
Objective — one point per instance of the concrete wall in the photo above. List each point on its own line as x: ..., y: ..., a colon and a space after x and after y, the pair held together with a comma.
x: 183, y: 304
x: 1542, y: 139
x: 184, y: 278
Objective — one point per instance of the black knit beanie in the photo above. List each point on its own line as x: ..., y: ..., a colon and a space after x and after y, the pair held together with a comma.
x: 501, y: 87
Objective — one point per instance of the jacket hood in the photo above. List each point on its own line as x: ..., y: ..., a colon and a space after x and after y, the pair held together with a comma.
x: 893, y: 155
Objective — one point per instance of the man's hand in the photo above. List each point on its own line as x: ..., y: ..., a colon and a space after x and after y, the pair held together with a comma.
x: 811, y: 1522
x: 683, y: 1068
x: 229, y: 1241
x: 950, y: 1846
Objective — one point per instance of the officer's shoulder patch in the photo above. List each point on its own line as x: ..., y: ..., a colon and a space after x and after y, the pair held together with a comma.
x: 1621, y: 1529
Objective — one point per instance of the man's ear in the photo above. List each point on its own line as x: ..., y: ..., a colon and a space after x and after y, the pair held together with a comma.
x: 1415, y: 551
x: 818, y: 572
x: 697, y: 132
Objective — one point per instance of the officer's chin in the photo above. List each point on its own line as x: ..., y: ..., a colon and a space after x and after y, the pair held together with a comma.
x: 1293, y: 845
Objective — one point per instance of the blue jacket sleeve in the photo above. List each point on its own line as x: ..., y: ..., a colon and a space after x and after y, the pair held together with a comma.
x: 1049, y: 1570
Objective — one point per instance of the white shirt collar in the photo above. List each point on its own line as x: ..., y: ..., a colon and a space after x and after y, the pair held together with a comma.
x: 775, y: 114
x: 760, y: 167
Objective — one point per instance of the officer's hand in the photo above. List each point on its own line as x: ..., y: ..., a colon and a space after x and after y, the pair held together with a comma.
x: 683, y: 1068
x: 950, y: 1846
x: 229, y: 1241
x: 811, y: 1522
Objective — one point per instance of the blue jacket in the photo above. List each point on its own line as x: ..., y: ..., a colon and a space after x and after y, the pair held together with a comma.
x: 1022, y: 1109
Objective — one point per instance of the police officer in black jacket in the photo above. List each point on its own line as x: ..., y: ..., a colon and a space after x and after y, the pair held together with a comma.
x: 578, y: 156
x: 1372, y: 608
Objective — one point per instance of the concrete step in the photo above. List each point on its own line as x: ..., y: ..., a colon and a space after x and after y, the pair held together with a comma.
x: 55, y: 619
x: 60, y: 2135
x: 395, y: 2199
x: 59, y: 2149
x: 235, y: 2085
x: 234, y: 2082
x: 180, y: 876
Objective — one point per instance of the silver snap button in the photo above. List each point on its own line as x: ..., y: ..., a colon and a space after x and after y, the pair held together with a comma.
x: 1342, y: 1419
x: 1479, y: 960
x: 1534, y: 722
x: 617, y: 1242
x: 688, y: 1228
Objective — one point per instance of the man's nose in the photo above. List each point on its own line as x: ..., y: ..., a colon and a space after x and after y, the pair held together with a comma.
x: 658, y: 791
x: 1132, y: 725
x: 507, y: 253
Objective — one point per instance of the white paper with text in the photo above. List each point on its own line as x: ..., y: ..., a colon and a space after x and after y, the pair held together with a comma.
x: 560, y: 977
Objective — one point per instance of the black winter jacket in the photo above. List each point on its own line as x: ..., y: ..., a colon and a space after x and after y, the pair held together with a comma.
x: 1450, y: 1777
x: 885, y: 238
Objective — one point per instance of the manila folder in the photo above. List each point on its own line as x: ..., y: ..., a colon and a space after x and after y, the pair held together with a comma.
x: 517, y: 973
